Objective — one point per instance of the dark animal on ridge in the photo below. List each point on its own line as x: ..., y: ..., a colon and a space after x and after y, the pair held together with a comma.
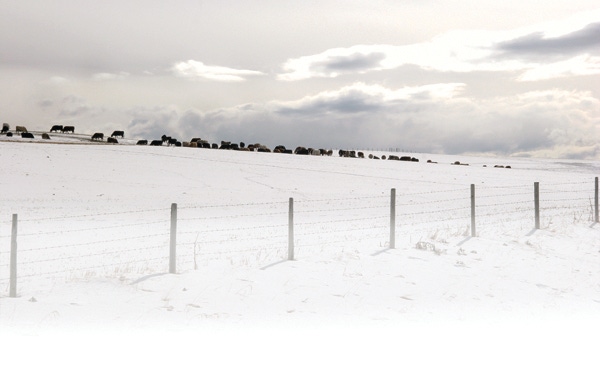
x: 112, y: 140
x: 27, y: 135
x: 120, y: 134
x: 56, y: 128
x: 68, y: 128
x: 98, y: 136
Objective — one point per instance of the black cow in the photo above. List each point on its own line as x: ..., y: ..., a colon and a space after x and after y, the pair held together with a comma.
x: 45, y: 136
x: 301, y: 151
x: 56, y: 128
x: 5, y: 127
x: 98, y: 136
x: 156, y: 143
x: 27, y: 135
x: 345, y: 153
x: 142, y: 142
x: 120, y: 134
x: 112, y: 140
x: 68, y: 128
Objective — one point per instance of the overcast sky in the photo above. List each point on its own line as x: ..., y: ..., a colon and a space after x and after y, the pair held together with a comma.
x: 470, y: 76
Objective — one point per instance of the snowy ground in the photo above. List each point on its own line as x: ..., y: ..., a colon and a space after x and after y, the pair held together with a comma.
x: 511, y: 304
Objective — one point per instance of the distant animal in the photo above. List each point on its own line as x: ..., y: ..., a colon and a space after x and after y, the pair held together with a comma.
x: 56, y: 128
x: 98, y: 136
x: 408, y: 158
x: 172, y: 141
x: 27, y: 135
x: 345, y: 153
x: 5, y: 127
x: 142, y: 142
x: 112, y: 140
x: 68, y: 128
x: 156, y: 143
x: 45, y: 136
x: 120, y: 134
x: 20, y: 129
x: 9, y: 134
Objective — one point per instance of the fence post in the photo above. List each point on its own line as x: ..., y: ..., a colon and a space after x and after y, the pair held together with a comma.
x: 536, y: 200
x: 473, y: 229
x: 173, y: 244
x: 596, y: 201
x: 13, y: 258
x: 393, y: 219
x: 291, y: 230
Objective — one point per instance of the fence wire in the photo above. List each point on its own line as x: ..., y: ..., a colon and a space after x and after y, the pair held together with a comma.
x: 99, y: 243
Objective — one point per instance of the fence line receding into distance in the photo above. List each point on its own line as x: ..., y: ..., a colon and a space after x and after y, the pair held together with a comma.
x: 258, y: 234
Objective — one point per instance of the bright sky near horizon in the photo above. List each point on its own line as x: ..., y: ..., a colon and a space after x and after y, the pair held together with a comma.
x: 510, y: 78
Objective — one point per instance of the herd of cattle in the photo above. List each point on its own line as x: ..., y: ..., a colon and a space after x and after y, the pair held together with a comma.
x: 200, y: 143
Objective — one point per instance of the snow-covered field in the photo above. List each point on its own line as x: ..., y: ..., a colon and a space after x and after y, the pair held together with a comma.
x: 512, y: 304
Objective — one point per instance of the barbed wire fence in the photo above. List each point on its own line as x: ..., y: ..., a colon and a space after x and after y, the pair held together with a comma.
x: 188, y: 237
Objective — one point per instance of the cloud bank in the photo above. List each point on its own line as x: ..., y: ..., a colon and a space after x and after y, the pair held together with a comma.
x: 433, y: 118
x: 536, y: 55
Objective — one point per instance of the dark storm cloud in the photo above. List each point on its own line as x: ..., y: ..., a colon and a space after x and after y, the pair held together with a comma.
x: 357, y: 62
x: 585, y: 40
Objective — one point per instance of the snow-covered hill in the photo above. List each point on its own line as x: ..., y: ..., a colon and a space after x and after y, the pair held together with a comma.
x: 93, y: 257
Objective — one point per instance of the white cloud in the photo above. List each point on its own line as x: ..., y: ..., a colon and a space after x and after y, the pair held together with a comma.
x: 197, y: 70
x: 580, y: 65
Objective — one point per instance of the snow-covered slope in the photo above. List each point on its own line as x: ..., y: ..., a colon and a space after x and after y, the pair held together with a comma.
x: 93, y: 256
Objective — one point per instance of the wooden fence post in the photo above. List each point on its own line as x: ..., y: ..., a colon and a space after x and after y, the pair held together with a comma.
x: 473, y: 229
x: 536, y: 201
x: 596, y: 201
x: 393, y: 219
x: 13, y: 258
x: 291, y: 230
x: 173, y: 244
